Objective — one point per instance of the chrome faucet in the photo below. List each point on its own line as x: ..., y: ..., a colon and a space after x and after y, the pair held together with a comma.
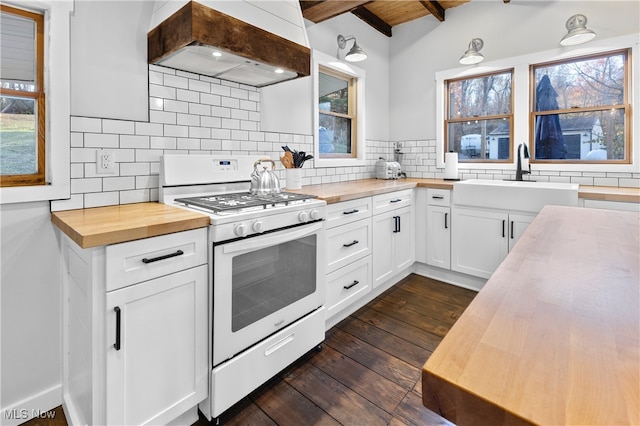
x: 519, y: 171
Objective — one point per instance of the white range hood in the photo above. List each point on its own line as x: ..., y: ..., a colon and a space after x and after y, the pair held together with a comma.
x: 257, y: 43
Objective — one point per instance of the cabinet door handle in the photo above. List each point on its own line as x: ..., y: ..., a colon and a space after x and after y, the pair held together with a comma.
x: 354, y: 283
x: 512, y: 229
x: 397, y: 200
x: 438, y: 197
x: 504, y: 222
x: 395, y: 224
x: 446, y: 222
x: 116, y: 345
x: 166, y: 256
x: 351, y: 211
x: 351, y: 244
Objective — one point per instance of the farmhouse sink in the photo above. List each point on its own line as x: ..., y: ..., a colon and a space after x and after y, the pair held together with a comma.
x: 526, y: 196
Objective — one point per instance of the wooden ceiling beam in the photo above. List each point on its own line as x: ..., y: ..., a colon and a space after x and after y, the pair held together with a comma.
x: 318, y: 11
x: 435, y: 8
x: 373, y: 20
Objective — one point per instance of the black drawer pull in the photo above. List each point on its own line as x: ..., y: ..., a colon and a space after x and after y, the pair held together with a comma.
x: 351, y: 244
x: 166, y: 256
x: 116, y: 345
x: 354, y: 283
x: 397, y: 200
x: 438, y: 197
x: 351, y: 211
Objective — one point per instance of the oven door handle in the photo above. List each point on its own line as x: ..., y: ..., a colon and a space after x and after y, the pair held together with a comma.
x: 271, y: 239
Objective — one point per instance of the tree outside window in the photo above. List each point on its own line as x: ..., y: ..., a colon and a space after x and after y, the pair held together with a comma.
x: 479, y: 121
x: 580, y: 112
x: 337, y: 114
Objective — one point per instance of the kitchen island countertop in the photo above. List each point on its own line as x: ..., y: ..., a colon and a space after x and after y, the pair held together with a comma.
x: 554, y: 335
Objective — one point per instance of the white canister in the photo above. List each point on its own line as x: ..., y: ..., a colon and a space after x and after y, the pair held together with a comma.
x: 294, y: 178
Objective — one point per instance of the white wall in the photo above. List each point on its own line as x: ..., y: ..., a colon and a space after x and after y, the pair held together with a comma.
x: 423, y: 47
x: 30, y: 309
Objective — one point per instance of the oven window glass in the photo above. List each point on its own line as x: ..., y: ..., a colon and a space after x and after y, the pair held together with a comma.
x: 267, y: 280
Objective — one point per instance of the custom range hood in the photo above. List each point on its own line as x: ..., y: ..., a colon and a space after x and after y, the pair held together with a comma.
x: 203, y: 40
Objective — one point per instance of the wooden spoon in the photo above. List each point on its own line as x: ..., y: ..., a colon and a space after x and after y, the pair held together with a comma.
x: 287, y: 160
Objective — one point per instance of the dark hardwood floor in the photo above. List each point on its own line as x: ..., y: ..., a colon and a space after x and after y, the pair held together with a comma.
x: 369, y: 369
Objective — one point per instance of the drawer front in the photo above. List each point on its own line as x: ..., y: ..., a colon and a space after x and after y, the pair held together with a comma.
x: 232, y: 380
x: 348, y: 284
x: 348, y: 243
x: 393, y: 200
x: 141, y: 260
x: 348, y: 211
x: 438, y: 197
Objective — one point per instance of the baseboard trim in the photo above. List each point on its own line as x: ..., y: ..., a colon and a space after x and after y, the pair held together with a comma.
x: 40, y: 405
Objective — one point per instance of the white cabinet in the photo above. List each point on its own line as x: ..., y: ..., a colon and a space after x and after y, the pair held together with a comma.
x: 393, y: 235
x: 135, y: 335
x: 481, y: 239
x: 349, y: 243
x: 439, y: 228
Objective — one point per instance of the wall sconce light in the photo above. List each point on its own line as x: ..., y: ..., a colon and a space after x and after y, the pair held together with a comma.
x: 356, y: 54
x: 473, y: 55
x: 577, y: 31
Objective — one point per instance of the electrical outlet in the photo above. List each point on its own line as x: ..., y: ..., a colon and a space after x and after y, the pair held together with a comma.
x: 105, y: 161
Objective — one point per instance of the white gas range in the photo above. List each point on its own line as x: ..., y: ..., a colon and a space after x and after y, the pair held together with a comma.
x: 267, y: 276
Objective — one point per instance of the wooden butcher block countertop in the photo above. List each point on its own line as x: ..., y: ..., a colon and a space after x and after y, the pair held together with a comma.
x: 116, y: 224
x: 553, y: 338
x: 344, y: 191
x: 350, y: 190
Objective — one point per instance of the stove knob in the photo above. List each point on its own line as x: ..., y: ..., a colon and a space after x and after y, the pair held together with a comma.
x: 240, y: 230
x: 303, y: 216
x: 257, y: 226
x: 315, y: 215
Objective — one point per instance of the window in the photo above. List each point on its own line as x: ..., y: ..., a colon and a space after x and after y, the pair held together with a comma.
x: 22, y: 98
x: 337, y: 114
x: 580, y: 110
x: 479, y: 118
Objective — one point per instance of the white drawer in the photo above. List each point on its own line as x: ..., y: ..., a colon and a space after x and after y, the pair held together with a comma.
x: 348, y: 284
x: 232, y: 380
x: 392, y: 200
x: 348, y: 211
x: 141, y: 260
x: 438, y: 197
x: 347, y: 243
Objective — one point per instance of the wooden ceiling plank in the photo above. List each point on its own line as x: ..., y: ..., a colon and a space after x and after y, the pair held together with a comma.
x: 323, y: 10
x: 373, y: 20
x: 435, y: 8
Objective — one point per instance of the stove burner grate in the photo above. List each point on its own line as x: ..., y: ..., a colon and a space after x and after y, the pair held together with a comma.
x: 240, y: 201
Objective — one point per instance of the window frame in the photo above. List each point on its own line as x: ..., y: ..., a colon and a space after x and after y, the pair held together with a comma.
x: 449, y: 120
x: 38, y: 96
x: 329, y: 64
x: 352, y: 110
x: 521, y: 100
x: 57, y: 68
x: 624, y: 106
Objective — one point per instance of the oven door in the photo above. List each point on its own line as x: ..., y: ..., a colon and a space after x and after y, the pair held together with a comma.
x: 262, y: 284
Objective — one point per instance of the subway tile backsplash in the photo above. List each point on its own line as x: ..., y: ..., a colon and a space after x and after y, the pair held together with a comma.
x: 193, y: 114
